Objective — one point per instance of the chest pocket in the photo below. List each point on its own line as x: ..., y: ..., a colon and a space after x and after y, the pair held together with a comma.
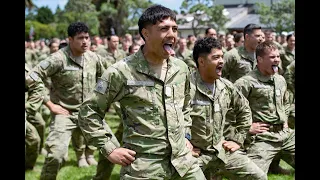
x: 261, y: 96
x: 201, y: 111
x: 69, y: 77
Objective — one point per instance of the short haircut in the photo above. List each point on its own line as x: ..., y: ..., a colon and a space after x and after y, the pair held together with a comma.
x: 289, y: 36
x: 260, y: 50
x: 207, y: 30
x: 237, y: 37
x: 62, y: 45
x: 152, y: 15
x: 76, y: 28
x: 249, y: 29
x: 204, y: 46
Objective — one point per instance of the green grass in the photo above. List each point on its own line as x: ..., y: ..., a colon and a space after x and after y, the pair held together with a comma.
x: 70, y: 171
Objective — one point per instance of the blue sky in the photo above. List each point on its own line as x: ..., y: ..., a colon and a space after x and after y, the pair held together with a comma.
x: 52, y: 4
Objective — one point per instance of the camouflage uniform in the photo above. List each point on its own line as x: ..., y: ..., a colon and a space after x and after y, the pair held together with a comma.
x: 35, y: 91
x: 72, y: 82
x: 155, y: 116
x: 31, y: 57
x: 289, y: 76
x: 186, y: 56
x: 268, y: 98
x: 237, y: 63
x: 113, y: 58
x: 208, y: 121
x: 286, y: 58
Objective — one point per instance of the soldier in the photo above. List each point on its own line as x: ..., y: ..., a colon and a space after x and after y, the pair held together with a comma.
x: 213, y: 96
x: 267, y: 94
x: 184, y: 53
x: 289, y: 55
x: 289, y: 76
x: 240, y: 60
x: 35, y: 94
x: 153, y: 89
x: 73, y: 71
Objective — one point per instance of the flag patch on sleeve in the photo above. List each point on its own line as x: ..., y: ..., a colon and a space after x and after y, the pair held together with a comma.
x: 101, y: 86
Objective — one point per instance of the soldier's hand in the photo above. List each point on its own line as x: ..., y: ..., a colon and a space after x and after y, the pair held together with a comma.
x: 57, y: 109
x: 230, y: 146
x: 122, y: 156
x: 196, y: 152
x: 258, y: 127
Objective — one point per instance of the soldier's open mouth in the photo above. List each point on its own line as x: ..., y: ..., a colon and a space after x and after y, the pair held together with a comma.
x: 168, y: 48
x: 275, y: 68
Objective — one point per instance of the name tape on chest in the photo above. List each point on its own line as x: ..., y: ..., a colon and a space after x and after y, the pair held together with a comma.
x: 139, y: 83
x: 71, y: 68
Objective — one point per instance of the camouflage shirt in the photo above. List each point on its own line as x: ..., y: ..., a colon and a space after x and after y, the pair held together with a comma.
x: 289, y: 75
x: 268, y: 97
x: 209, y: 114
x: 237, y: 63
x: 155, y: 112
x: 71, y: 81
x: 186, y: 56
x: 35, y: 91
x: 286, y: 59
x: 117, y: 56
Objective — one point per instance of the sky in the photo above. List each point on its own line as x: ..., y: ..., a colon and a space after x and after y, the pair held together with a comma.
x: 52, y: 4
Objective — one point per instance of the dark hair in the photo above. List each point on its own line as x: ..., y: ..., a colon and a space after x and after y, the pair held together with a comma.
x: 249, y: 29
x: 76, y: 28
x: 62, y: 45
x: 237, y: 37
x: 152, y: 15
x: 289, y: 36
x: 204, y: 46
x: 260, y: 50
x: 207, y: 30
x: 132, y: 45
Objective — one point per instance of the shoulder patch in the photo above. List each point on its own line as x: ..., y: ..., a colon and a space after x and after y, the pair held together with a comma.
x: 34, y: 76
x: 101, y: 86
x: 44, y: 64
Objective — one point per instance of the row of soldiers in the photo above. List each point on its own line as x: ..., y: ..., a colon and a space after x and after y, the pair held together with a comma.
x: 148, y: 89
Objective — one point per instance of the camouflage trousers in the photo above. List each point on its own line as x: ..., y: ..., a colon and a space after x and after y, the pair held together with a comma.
x: 157, y: 167
x: 32, y: 144
x: 61, y: 129
x: 238, y: 166
x: 40, y: 125
x: 265, y: 146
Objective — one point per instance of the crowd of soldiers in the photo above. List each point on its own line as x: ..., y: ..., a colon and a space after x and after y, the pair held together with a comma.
x: 190, y: 107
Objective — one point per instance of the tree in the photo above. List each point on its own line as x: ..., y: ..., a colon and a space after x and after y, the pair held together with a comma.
x: 119, y: 15
x: 280, y: 15
x: 205, y: 14
x: 80, y: 10
x: 28, y: 4
x: 45, y: 15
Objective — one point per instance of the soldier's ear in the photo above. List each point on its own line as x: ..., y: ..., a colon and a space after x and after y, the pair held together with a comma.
x: 259, y: 59
x: 145, y: 33
x: 201, y: 61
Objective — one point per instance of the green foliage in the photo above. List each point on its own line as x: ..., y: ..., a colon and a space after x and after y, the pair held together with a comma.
x: 119, y: 15
x: 205, y: 15
x: 280, y: 16
x: 45, y: 15
x: 41, y: 30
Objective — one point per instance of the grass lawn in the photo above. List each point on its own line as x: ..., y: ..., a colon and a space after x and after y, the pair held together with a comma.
x: 70, y: 171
